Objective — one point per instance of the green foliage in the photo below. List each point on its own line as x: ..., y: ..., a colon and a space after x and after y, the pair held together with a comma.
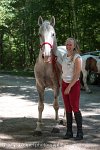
x: 19, y: 41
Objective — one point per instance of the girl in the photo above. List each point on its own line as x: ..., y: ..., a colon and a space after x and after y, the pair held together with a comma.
x: 71, y: 68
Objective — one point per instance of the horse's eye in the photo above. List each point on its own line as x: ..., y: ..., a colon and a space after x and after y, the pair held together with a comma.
x: 53, y: 34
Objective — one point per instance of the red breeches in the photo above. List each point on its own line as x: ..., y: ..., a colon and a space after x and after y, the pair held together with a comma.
x: 71, y: 101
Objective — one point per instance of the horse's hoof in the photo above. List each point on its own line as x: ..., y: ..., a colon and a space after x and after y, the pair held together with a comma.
x: 61, y: 122
x: 55, y: 130
x: 89, y: 92
x: 37, y: 133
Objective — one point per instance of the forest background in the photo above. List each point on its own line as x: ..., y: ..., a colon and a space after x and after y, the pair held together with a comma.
x: 19, y: 40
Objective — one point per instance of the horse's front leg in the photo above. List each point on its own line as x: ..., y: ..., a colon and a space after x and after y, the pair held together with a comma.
x: 40, y: 109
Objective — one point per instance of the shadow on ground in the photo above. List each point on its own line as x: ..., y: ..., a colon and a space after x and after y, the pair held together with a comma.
x: 21, y: 131
x: 18, y: 132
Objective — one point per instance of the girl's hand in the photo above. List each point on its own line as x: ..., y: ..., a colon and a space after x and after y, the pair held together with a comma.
x: 67, y: 90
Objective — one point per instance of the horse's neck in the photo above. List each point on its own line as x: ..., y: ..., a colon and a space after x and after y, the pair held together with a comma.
x: 55, y: 48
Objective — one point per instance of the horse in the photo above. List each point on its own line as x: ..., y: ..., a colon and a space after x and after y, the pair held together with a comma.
x: 46, y: 69
x: 90, y: 63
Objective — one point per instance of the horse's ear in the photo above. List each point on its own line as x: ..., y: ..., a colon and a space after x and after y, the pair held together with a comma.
x: 40, y: 21
x: 52, y: 21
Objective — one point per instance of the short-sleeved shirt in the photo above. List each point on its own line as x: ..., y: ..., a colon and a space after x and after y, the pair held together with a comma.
x: 68, y: 67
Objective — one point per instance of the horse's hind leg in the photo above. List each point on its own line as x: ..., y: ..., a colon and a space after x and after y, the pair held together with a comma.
x: 85, y: 82
x: 56, y: 104
x: 56, y: 107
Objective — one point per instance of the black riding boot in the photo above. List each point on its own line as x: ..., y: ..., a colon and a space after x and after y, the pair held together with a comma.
x: 69, y: 133
x: 78, y: 118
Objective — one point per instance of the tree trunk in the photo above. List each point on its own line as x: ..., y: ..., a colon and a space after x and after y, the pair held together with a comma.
x: 1, y: 48
x: 74, y: 19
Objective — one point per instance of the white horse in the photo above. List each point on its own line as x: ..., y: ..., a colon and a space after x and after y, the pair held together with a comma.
x: 47, y: 73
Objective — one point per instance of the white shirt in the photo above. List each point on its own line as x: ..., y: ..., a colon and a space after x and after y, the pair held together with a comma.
x: 68, y: 68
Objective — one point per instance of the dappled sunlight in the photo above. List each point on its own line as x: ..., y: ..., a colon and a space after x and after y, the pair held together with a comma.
x: 94, y: 120
x: 19, y: 113
x: 94, y: 104
x: 91, y: 112
x: 49, y: 111
x: 15, y: 106
x: 5, y: 137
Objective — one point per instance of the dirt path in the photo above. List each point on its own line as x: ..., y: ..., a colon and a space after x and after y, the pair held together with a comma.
x: 18, y: 116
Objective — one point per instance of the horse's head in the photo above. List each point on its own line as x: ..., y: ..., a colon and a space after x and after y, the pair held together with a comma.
x: 91, y: 64
x: 48, y: 44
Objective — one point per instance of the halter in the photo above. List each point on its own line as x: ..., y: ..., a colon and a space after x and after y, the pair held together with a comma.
x: 41, y: 45
x: 53, y: 60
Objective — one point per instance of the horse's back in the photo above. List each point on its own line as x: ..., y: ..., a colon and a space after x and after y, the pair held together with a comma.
x: 61, y: 51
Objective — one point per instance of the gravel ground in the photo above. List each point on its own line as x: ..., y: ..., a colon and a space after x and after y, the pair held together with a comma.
x: 18, y: 117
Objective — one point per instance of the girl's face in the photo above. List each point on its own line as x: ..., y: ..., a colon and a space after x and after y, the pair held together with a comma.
x: 70, y: 45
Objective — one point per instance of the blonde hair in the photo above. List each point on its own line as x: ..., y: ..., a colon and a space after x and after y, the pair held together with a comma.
x: 76, y: 49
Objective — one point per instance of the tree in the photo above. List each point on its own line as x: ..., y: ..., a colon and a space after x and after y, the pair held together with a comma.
x: 19, y: 41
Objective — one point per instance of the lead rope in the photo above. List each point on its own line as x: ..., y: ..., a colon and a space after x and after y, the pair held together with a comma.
x: 54, y: 60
